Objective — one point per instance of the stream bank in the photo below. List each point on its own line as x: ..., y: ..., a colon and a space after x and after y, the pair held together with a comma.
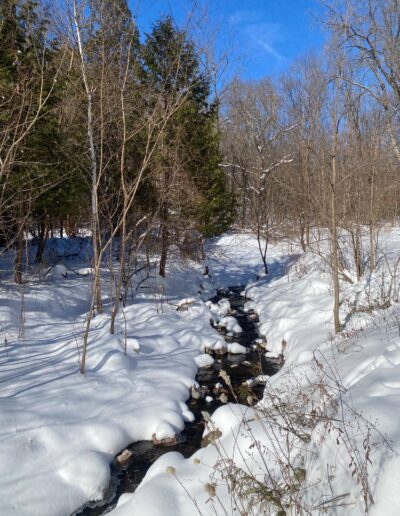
x: 213, y: 392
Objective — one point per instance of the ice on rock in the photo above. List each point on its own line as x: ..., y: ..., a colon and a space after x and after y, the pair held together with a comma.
x: 224, y: 306
x: 204, y: 360
x: 186, y: 301
x: 220, y: 346
x: 261, y: 378
x: 236, y: 349
x: 166, y: 431
x: 188, y: 416
x: 248, y: 306
x: 272, y: 354
x: 231, y: 324
x: 219, y: 310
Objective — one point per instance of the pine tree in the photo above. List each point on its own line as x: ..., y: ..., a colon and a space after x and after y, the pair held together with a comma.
x: 190, y: 183
x: 28, y: 124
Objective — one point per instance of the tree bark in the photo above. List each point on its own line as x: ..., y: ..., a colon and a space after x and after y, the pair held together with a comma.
x: 334, y: 250
x: 92, y: 151
x: 164, y: 242
x: 43, y: 234
x: 19, y: 255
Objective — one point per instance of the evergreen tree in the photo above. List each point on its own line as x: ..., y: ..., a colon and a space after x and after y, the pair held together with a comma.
x: 191, y: 185
x: 17, y: 91
x: 28, y: 122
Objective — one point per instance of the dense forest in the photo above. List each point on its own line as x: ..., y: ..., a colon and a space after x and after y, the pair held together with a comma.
x: 131, y: 136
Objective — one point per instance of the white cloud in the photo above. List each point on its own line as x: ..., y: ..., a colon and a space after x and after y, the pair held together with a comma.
x: 262, y: 35
x: 266, y: 36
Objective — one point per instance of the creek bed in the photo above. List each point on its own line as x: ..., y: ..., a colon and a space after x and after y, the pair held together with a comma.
x: 240, y: 367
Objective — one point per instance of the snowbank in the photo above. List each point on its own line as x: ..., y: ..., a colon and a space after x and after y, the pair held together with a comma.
x: 333, y: 405
x: 59, y: 429
x: 331, y: 411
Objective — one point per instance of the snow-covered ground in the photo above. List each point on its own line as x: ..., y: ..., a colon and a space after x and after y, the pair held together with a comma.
x: 325, y: 439
x: 60, y: 430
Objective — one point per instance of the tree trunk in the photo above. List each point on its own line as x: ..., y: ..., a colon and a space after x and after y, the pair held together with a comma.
x: 164, y: 226
x: 19, y: 255
x: 263, y: 250
x: 96, y: 292
x: 334, y: 251
x: 303, y: 236
x: 355, y: 234
x: 164, y: 242
x: 43, y: 234
x: 372, y: 242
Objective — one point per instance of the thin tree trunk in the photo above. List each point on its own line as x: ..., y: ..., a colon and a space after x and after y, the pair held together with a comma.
x: 96, y: 292
x: 118, y: 290
x: 94, y: 196
x: 43, y: 234
x: 305, y: 242
x: 357, y: 251
x: 358, y: 254
x: 164, y: 226
x: 303, y: 235
x: 19, y: 255
x: 334, y: 250
x: 372, y: 243
x: 86, y: 333
x: 122, y: 249
x: 263, y: 251
x: 164, y: 241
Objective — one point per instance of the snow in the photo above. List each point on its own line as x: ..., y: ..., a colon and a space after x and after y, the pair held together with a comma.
x: 220, y: 309
x: 186, y: 301
x: 60, y: 430
x: 359, y: 369
x: 273, y: 354
x: 388, y: 488
x: 204, y: 360
x: 231, y: 324
x: 234, y: 259
x: 261, y: 378
x: 236, y: 349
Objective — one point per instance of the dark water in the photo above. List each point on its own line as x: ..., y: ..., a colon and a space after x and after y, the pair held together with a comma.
x: 240, y: 368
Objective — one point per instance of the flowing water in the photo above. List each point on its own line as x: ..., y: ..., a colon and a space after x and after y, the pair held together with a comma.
x: 240, y: 368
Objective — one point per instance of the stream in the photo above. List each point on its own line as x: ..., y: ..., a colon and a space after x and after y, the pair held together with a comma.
x: 240, y: 368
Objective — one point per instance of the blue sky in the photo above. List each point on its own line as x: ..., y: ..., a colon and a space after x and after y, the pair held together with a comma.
x: 264, y: 36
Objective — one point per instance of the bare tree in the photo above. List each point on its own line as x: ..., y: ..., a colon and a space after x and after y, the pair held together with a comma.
x: 369, y: 32
x: 256, y: 155
x: 77, y: 14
